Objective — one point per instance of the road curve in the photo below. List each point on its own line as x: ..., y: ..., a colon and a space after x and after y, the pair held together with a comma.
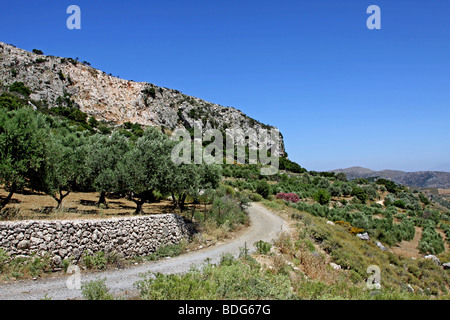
x: 264, y: 225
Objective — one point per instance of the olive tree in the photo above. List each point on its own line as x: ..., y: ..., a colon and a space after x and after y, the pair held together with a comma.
x: 144, y: 168
x: 23, y: 140
x: 190, y: 180
x: 103, y: 153
x: 61, y: 172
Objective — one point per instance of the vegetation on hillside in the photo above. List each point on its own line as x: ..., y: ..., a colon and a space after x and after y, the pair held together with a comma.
x: 301, y: 266
x: 61, y: 150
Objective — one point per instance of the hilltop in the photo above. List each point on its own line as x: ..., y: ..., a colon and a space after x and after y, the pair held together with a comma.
x: 419, y: 179
x: 57, y: 81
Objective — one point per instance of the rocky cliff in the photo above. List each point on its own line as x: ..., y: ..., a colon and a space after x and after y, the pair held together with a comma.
x: 56, y: 80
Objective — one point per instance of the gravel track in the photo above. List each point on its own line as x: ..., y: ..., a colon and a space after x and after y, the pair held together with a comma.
x: 264, y: 225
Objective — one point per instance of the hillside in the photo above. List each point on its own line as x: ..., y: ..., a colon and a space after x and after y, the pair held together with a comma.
x: 57, y: 81
x: 59, y: 164
x: 419, y: 179
x: 336, y: 231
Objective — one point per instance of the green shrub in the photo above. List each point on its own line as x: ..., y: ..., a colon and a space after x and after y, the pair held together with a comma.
x: 104, y: 130
x: 335, y: 191
x: 305, y: 244
x: 431, y: 241
x: 20, y: 88
x: 359, y: 193
x: 23, y: 267
x: 424, y: 199
x: 227, y: 210
x: 4, y: 257
x: 371, y: 191
x: 400, y: 204
x: 346, y: 189
x: 446, y: 228
x: 229, y: 191
x: 171, y: 250
x: 93, y: 122
x: 37, y: 51
x: 322, y: 196
x: 97, y: 261
x: 125, y: 133
x: 150, y: 91
x: 361, y: 181
x: 226, y: 259
x: 262, y: 247
x: 286, y: 164
x: 61, y: 76
x: 96, y: 290
x: 11, y: 102
x: 263, y: 188
x: 234, y: 279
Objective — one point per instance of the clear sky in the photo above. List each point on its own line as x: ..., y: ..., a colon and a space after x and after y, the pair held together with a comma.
x: 341, y: 94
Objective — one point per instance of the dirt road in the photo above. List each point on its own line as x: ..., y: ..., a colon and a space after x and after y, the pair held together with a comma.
x: 264, y: 225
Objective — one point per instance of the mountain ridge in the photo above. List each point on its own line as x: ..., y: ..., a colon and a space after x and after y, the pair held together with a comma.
x: 419, y: 179
x: 60, y: 81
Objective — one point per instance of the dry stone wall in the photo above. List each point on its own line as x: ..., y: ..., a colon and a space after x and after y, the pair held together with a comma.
x: 127, y: 237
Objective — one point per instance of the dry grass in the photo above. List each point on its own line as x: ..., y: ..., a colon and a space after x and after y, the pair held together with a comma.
x: 31, y: 205
x: 315, y: 266
x: 409, y: 248
x: 77, y: 205
x: 312, y: 272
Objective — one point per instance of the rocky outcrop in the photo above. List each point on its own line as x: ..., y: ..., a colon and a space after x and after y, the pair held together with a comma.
x: 128, y: 237
x: 363, y: 236
x: 433, y: 258
x: 56, y: 81
x: 380, y: 245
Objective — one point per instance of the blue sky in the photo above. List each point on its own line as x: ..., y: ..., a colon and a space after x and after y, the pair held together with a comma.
x: 341, y: 94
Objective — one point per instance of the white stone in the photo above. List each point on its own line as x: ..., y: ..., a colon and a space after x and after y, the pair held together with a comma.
x: 363, y: 236
x: 335, y: 266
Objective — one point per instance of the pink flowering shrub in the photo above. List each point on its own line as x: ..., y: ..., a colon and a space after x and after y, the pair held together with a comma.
x: 291, y: 197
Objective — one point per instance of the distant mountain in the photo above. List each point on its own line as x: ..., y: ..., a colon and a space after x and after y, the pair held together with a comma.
x: 419, y: 179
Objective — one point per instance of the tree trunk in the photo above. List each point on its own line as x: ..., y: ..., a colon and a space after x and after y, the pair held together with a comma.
x: 60, y: 199
x: 102, y: 199
x: 174, y: 200
x: 139, y: 205
x: 181, y: 201
x: 8, y: 198
x: 193, y: 213
x: 142, y: 198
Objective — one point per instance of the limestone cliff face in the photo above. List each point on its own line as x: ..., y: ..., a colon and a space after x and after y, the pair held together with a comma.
x: 110, y: 98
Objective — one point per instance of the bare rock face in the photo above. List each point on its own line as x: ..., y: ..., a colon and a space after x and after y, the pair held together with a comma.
x: 56, y: 80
